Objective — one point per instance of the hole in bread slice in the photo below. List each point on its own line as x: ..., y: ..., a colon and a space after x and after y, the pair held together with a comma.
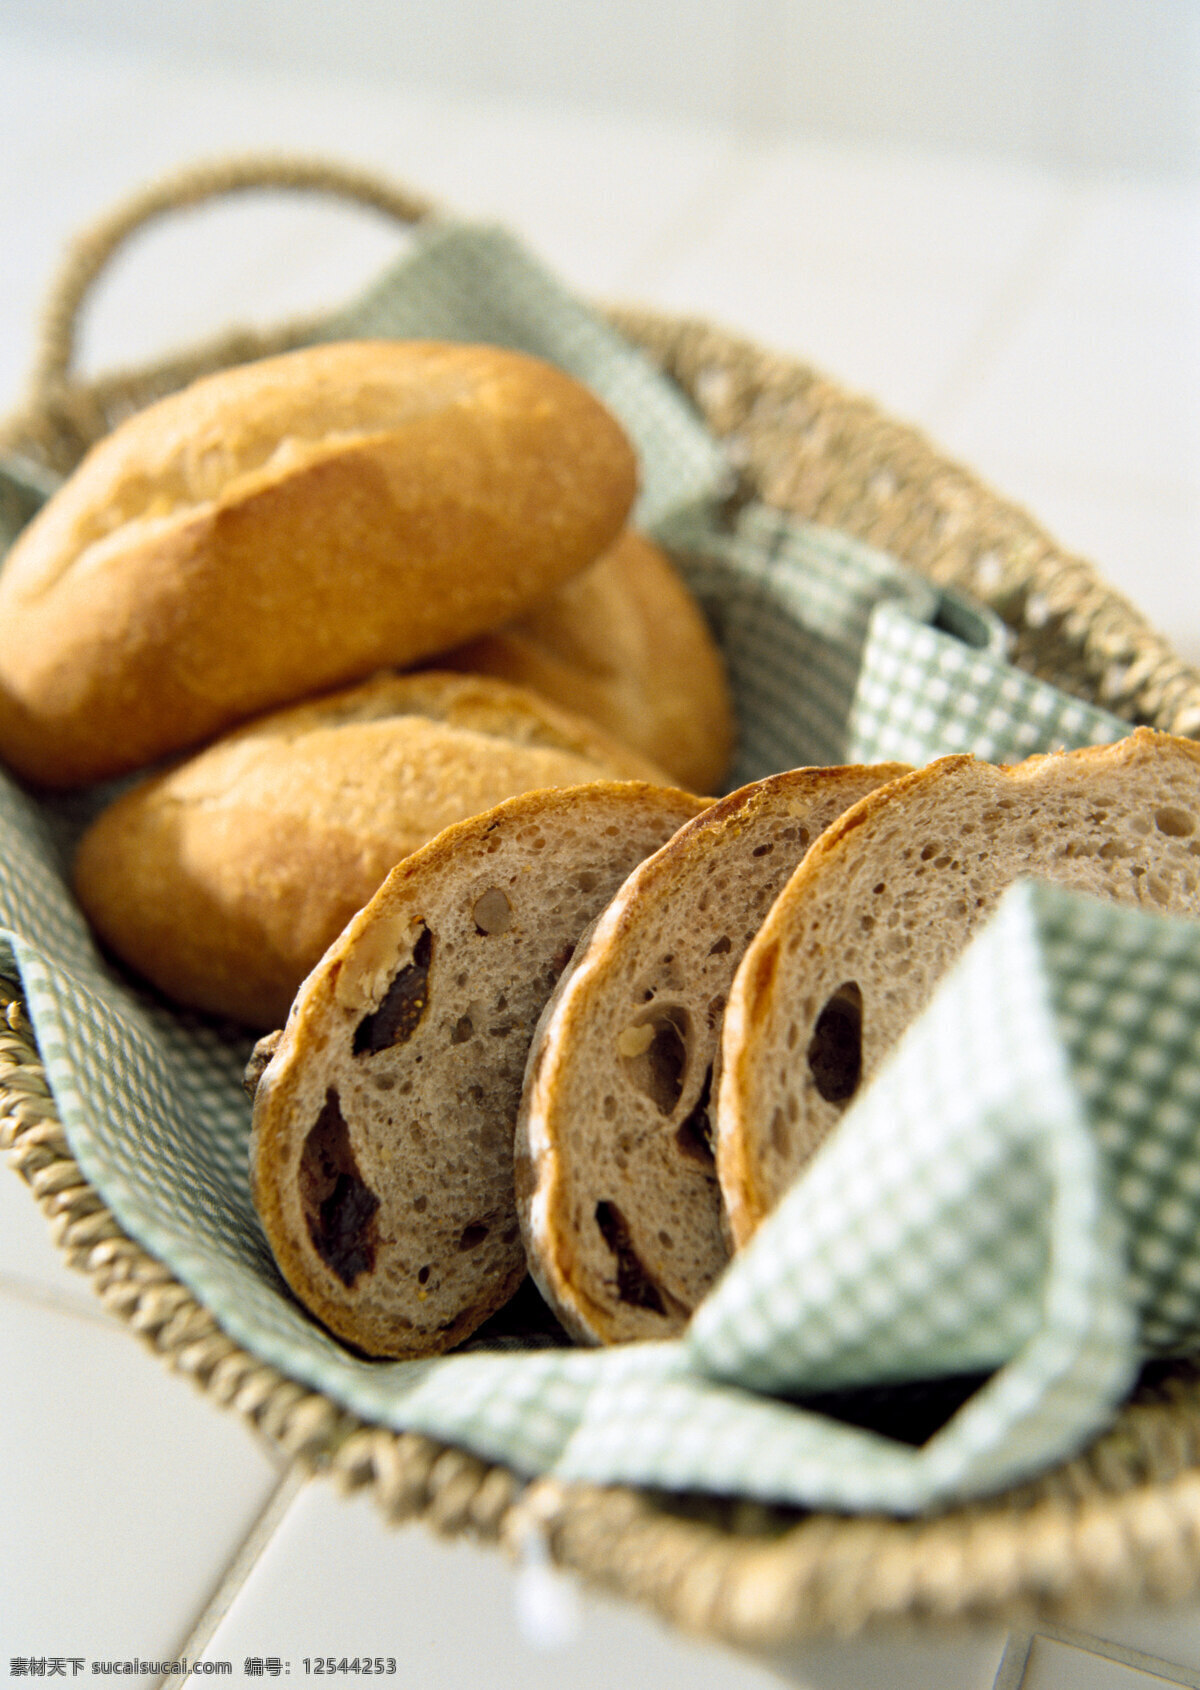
x: 654, y: 1053
x: 694, y: 1135
x: 492, y: 912
x: 1176, y: 823
x: 835, y: 1050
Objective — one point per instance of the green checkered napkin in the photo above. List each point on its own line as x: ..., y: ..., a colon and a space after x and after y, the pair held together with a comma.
x: 1016, y: 1195
x: 1039, y: 1116
x: 839, y: 654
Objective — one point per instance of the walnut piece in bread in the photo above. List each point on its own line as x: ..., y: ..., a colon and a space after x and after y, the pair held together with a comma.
x: 287, y: 526
x: 223, y: 879
x: 853, y: 948
x: 383, y: 1121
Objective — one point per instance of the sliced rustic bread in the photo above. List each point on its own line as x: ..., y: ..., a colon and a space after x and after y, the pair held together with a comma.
x: 884, y: 902
x: 382, y: 1159
x: 223, y: 880
x: 625, y: 644
x: 616, y: 1186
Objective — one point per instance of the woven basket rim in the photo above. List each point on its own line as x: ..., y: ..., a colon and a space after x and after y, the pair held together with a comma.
x: 1121, y: 1522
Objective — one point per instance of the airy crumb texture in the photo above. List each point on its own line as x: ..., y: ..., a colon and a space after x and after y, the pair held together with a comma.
x: 625, y: 644
x: 291, y: 525
x: 883, y: 904
x: 223, y: 880
x: 382, y: 1154
x: 616, y: 1182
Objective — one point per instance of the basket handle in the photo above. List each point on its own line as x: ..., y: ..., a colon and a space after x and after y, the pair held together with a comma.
x: 94, y: 248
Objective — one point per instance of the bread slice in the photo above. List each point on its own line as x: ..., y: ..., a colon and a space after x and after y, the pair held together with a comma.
x: 223, y: 880
x: 625, y: 644
x: 381, y: 1158
x: 291, y: 525
x: 616, y: 1187
x: 856, y: 943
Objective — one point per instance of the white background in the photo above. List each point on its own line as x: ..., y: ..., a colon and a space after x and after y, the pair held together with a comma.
x: 985, y: 215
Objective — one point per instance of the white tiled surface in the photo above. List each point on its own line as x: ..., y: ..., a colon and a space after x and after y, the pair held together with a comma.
x: 1041, y: 325
x: 314, y: 1592
x: 1170, y: 1634
x: 123, y: 1496
x: 902, y: 1662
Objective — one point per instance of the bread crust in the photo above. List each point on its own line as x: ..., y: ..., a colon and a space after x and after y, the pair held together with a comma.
x: 381, y: 1153
x: 887, y: 899
x: 616, y: 1186
x: 287, y: 526
x: 626, y: 644
x: 223, y: 879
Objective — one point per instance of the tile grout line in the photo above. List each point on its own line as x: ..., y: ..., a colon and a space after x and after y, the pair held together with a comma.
x: 1011, y: 1672
x: 238, y: 1569
x: 245, y: 1556
x: 88, y: 1306
x: 61, y: 1302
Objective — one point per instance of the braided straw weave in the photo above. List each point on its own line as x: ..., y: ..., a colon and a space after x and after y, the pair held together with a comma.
x: 1120, y: 1522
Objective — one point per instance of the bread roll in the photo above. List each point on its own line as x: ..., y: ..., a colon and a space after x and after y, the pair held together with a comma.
x: 625, y: 644
x: 616, y: 1183
x: 287, y: 526
x: 381, y: 1156
x: 859, y: 938
x: 223, y: 879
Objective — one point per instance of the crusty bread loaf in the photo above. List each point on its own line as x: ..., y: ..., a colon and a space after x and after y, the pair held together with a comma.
x: 383, y: 1121
x: 223, y: 879
x: 287, y: 526
x: 625, y: 644
x: 852, y: 950
x: 616, y: 1186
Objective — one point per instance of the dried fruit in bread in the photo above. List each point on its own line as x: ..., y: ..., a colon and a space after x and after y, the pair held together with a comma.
x: 616, y: 1182
x: 383, y: 1119
x: 857, y: 941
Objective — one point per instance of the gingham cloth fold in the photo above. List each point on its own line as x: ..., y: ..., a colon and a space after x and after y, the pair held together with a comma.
x: 835, y: 652
x: 973, y: 1214
x: 1018, y: 1193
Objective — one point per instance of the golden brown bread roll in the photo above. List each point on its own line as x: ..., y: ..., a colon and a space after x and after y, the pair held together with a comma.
x: 288, y: 526
x: 223, y: 880
x: 625, y: 644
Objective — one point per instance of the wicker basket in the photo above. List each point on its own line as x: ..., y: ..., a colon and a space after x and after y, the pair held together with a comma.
x: 1120, y: 1523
